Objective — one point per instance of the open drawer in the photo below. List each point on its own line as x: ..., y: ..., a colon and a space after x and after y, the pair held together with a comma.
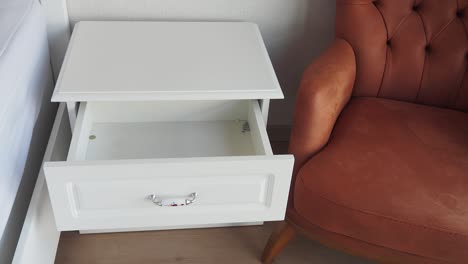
x: 149, y: 165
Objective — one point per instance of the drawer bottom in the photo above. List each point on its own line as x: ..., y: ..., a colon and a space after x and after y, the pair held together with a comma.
x: 120, y: 230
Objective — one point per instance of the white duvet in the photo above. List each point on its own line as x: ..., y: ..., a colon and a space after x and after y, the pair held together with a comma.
x: 24, y: 75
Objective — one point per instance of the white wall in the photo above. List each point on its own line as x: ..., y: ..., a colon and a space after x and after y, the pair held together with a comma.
x: 294, y: 30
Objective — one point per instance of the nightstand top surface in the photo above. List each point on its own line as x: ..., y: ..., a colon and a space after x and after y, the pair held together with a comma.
x: 145, y: 61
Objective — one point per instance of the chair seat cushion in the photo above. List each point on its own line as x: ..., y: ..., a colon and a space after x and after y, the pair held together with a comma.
x: 393, y: 174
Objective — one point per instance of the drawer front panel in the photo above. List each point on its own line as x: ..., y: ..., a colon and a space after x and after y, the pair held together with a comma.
x: 135, y: 193
x: 116, y: 194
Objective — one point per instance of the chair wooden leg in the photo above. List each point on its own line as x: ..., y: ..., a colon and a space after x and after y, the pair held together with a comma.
x: 278, y: 240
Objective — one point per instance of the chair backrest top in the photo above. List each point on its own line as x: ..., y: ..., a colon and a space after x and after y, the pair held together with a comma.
x: 409, y: 50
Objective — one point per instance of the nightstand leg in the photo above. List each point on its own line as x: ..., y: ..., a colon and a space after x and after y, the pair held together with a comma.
x: 265, y: 107
x: 72, y: 113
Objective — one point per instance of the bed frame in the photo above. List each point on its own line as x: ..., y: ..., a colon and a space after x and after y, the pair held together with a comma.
x: 39, y: 236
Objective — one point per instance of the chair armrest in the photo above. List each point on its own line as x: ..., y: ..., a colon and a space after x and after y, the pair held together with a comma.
x: 325, y: 89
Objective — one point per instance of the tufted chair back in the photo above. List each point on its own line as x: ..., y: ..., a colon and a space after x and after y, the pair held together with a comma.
x: 409, y: 50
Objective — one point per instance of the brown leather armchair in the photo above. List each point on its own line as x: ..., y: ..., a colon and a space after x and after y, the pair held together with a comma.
x: 380, y: 135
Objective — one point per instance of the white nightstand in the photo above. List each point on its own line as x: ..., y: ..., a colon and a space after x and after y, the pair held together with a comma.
x: 167, y: 110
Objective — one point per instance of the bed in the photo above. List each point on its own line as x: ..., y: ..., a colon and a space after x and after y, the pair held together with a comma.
x: 26, y: 115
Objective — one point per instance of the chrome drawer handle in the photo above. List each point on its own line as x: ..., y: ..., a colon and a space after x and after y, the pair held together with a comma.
x: 174, y: 201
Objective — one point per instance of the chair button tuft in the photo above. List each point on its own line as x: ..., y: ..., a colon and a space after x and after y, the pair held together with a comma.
x: 428, y: 48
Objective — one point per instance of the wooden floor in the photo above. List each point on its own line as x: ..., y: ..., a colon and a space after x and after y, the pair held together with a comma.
x: 235, y: 245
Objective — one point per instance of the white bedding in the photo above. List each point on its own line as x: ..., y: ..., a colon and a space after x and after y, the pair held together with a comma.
x: 24, y: 76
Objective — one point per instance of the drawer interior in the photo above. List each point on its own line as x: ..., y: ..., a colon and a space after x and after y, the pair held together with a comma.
x: 168, y: 129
